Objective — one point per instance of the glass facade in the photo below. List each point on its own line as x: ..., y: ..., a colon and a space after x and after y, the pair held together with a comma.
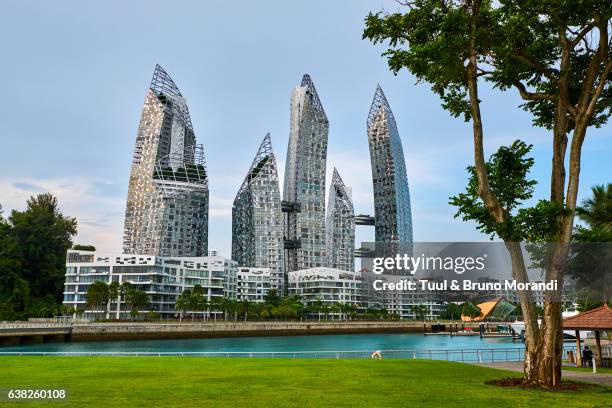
x: 257, y: 220
x: 392, y: 212
x: 340, y: 226
x: 304, y: 186
x: 167, y: 205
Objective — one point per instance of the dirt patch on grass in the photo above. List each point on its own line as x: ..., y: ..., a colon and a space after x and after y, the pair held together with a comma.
x: 514, y: 382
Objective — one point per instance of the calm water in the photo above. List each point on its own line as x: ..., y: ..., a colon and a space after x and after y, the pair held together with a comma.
x: 340, y: 342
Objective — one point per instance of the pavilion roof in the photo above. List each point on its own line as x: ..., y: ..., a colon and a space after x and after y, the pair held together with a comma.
x: 596, y: 319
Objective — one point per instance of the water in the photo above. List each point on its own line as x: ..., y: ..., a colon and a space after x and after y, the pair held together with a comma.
x: 339, y: 342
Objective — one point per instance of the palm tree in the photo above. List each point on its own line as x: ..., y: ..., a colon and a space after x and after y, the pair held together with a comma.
x: 137, y: 300
x: 124, y: 289
x: 182, y: 303
x: 453, y: 310
x: 420, y: 311
x: 245, y: 307
x: 318, y: 306
x: 352, y: 309
x: 596, y: 211
x: 226, y: 307
x: 336, y: 308
x: 113, y: 293
x: 97, y: 295
x: 326, y: 310
x: 233, y: 304
x: 203, y: 305
x: 215, y: 305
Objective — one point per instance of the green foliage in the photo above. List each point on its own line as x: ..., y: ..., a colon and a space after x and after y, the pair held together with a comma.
x: 431, y: 41
x: 33, y: 245
x: 136, y: 300
x: 79, y: 247
x: 596, y: 211
x: 97, y: 295
x: 420, y: 311
x: 114, y: 289
x: 589, y: 261
x: 584, y: 305
x: 508, y: 171
x: 516, y: 43
x: 272, y: 298
x: 452, y: 311
x: 469, y: 309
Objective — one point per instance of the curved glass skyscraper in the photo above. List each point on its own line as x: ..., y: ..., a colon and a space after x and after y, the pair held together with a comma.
x: 304, y: 187
x: 167, y: 204
x: 257, y: 220
x: 340, y: 225
x: 392, y: 212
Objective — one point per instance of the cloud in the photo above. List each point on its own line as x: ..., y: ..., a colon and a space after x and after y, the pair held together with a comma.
x: 96, y: 205
x: 28, y: 187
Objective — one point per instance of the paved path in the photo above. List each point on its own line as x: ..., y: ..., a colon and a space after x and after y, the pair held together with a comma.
x: 596, y: 378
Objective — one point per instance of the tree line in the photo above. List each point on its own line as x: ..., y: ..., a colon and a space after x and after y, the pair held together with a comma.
x: 33, y: 245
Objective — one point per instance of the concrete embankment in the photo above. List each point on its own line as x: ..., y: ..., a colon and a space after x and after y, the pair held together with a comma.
x: 149, y: 330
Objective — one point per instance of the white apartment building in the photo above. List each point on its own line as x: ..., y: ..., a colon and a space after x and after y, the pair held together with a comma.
x: 400, y: 302
x: 162, y: 278
x: 326, y: 284
x: 253, y: 284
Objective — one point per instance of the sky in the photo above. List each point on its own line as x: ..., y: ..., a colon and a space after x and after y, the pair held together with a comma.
x: 76, y: 74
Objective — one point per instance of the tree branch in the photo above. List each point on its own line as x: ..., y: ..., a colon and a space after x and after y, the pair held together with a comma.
x: 531, y: 96
x: 580, y: 35
x: 587, y: 100
x: 602, y: 83
x: 521, y: 56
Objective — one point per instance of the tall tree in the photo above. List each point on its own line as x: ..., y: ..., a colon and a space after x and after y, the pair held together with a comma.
x: 14, y: 290
x: 114, y: 289
x: 44, y: 235
x: 557, y: 55
x: 272, y: 298
x: 98, y: 295
x: 33, y: 246
x: 137, y: 300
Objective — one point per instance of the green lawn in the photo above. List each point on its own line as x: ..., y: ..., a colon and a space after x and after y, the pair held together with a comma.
x: 216, y: 382
x: 606, y: 370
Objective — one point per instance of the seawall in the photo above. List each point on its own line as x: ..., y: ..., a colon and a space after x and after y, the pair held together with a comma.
x: 149, y: 330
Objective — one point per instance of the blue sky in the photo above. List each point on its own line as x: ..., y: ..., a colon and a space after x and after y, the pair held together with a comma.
x: 76, y: 73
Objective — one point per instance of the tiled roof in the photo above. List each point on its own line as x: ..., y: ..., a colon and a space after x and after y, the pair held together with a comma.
x: 596, y: 319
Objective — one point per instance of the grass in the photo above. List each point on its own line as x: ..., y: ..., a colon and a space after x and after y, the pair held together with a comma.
x: 217, y: 382
x: 605, y: 370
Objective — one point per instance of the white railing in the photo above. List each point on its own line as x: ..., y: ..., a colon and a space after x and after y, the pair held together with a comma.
x: 479, y: 355
x: 50, y: 323
x: 32, y: 325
